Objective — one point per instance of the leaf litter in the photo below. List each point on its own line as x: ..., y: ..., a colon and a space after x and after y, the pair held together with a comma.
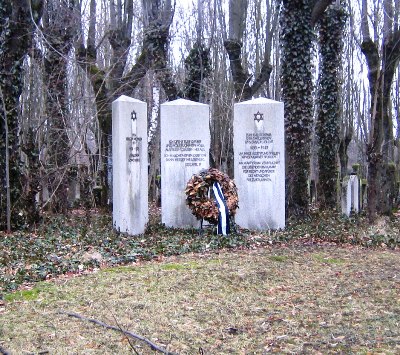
x: 328, y: 285
x: 237, y: 302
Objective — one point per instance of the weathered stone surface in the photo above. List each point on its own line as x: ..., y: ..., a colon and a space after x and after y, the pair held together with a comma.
x: 346, y: 196
x: 259, y: 152
x: 355, y: 193
x: 350, y: 195
x: 185, y: 145
x: 130, y: 168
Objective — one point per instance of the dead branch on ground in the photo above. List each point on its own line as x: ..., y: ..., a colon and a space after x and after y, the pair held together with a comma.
x: 125, y: 332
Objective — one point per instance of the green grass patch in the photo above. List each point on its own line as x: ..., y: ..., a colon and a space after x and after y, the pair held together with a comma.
x: 185, y: 266
x: 24, y: 295
x: 119, y: 269
x: 41, y: 289
x: 279, y: 258
x: 329, y: 260
x: 174, y: 267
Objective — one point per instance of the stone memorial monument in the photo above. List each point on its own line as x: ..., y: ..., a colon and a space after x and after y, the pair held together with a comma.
x: 130, y: 170
x: 259, y: 151
x: 185, y: 145
x: 355, y: 193
x: 350, y: 195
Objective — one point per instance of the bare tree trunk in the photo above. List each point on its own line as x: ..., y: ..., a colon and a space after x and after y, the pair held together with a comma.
x: 58, y: 29
x: 381, y: 68
x: 241, y: 78
x: 7, y: 163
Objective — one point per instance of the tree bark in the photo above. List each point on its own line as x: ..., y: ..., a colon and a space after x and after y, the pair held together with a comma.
x: 58, y: 29
x: 17, y: 25
x: 241, y: 77
x: 297, y: 20
x: 381, y: 69
x: 328, y: 119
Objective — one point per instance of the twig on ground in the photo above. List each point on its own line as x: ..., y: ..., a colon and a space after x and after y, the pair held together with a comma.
x: 107, y: 326
x: 120, y: 328
x: 3, y: 351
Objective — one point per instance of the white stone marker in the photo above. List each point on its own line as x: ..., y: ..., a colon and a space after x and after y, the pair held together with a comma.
x: 130, y: 170
x: 185, y: 145
x: 346, y: 196
x: 259, y: 151
x: 350, y: 194
x: 355, y: 193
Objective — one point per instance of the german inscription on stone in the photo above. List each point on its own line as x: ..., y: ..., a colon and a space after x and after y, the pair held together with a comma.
x: 258, y: 161
x: 189, y: 151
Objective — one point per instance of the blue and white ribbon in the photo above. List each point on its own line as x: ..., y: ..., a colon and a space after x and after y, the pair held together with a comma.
x: 223, y: 215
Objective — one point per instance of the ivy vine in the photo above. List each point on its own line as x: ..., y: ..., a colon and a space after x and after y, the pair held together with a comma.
x: 296, y: 38
x: 328, y: 101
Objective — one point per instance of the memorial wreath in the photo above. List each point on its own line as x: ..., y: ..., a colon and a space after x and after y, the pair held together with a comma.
x: 197, y: 194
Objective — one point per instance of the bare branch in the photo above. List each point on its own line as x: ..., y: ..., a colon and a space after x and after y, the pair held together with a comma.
x: 364, y: 22
x: 3, y: 351
x: 125, y: 332
x: 318, y: 9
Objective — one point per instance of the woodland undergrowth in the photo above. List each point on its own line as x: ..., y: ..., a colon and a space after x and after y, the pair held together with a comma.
x: 84, y: 241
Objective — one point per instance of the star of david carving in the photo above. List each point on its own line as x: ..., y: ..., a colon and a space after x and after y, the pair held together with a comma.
x: 133, y: 115
x: 258, y: 116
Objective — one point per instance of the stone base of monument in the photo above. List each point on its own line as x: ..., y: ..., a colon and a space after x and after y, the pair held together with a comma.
x: 204, y: 225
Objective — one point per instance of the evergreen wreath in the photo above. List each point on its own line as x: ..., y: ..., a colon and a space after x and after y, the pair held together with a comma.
x: 197, y: 192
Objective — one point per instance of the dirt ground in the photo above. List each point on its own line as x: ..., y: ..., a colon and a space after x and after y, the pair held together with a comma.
x: 295, y: 299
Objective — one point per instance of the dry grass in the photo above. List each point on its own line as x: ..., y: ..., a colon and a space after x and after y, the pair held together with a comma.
x: 282, y: 300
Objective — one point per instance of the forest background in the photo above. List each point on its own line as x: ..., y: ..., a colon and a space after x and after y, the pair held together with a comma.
x: 62, y: 62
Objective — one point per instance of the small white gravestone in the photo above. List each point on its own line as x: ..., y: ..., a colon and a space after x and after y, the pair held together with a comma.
x: 259, y: 151
x: 350, y: 194
x: 130, y: 170
x: 346, y: 196
x: 185, y: 145
x: 355, y: 193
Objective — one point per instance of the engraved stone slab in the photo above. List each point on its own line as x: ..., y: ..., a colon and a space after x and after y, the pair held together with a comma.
x: 185, y: 145
x: 130, y: 170
x: 259, y: 152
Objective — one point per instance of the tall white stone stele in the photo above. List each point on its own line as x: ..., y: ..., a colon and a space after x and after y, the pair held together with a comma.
x: 350, y: 195
x: 130, y: 170
x: 259, y: 152
x: 185, y: 145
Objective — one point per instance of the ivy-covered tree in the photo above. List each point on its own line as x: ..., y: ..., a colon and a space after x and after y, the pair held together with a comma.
x: 17, y: 25
x: 382, y: 56
x: 198, y: 67
x: 328, y: 100
x: 297, y: 21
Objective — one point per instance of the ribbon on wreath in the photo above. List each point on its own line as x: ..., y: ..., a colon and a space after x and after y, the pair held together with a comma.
x: 223, y: 212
